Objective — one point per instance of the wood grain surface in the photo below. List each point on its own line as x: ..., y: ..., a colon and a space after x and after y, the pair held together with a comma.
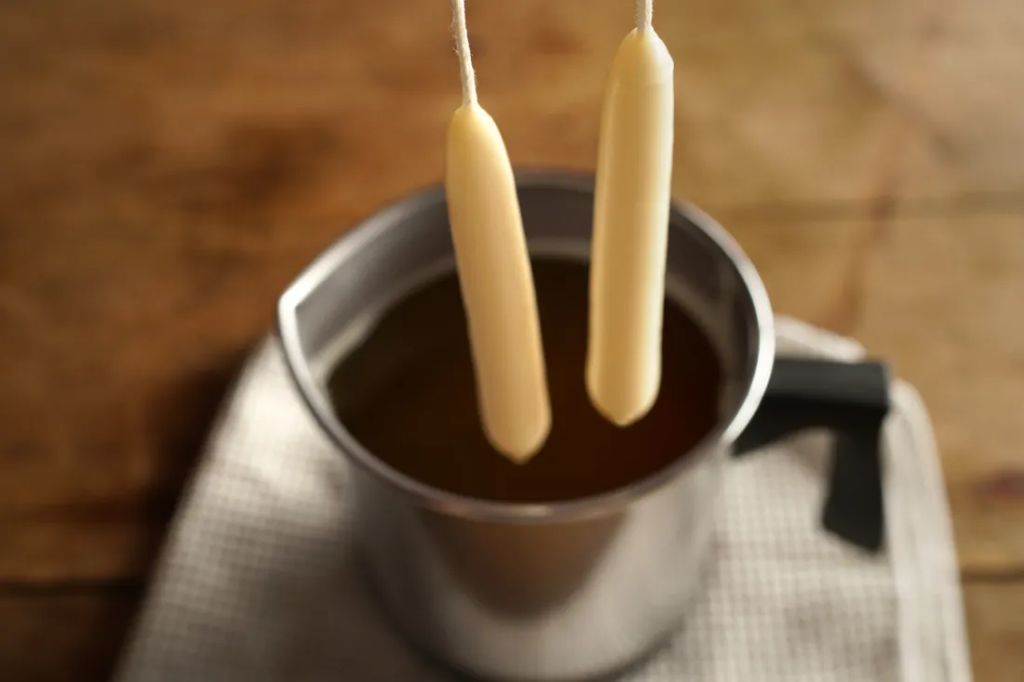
x: 166, y: 168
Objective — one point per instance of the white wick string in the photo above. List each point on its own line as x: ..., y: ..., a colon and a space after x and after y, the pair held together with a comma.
x: 462, y: 50
x: 644, y: 14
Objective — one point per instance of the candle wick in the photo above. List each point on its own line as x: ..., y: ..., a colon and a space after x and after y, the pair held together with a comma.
x: 644, y: 14
x: 461, y: 37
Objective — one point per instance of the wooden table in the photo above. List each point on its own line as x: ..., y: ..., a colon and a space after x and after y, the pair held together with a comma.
x: 168, y: 167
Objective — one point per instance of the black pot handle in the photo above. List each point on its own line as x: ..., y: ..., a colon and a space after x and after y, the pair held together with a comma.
x: 851, y: 399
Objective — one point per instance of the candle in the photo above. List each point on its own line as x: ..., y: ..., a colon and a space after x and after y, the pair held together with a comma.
x: 631, y: 206
x: 494, y: 273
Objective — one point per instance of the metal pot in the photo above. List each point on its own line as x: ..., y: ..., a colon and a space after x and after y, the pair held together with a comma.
x: 567, y: 590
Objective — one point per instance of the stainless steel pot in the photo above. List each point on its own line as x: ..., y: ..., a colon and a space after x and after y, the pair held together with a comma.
x: 567, y: 590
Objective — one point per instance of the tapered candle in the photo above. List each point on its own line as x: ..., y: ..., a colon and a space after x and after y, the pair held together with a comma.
x: 494, y: 273
x: 631, y: 207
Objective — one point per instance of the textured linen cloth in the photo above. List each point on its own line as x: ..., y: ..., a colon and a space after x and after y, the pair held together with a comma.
x: 256, y: 580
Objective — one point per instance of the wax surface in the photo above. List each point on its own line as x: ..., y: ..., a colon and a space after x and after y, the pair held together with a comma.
x: 497, y: 285
x: 631, y: 206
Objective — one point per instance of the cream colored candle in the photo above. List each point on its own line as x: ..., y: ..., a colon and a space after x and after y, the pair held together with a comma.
x: 494, y: 274
x: 631, y: 207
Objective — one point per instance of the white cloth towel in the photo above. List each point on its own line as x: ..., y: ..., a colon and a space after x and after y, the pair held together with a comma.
x: 255, y: 582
